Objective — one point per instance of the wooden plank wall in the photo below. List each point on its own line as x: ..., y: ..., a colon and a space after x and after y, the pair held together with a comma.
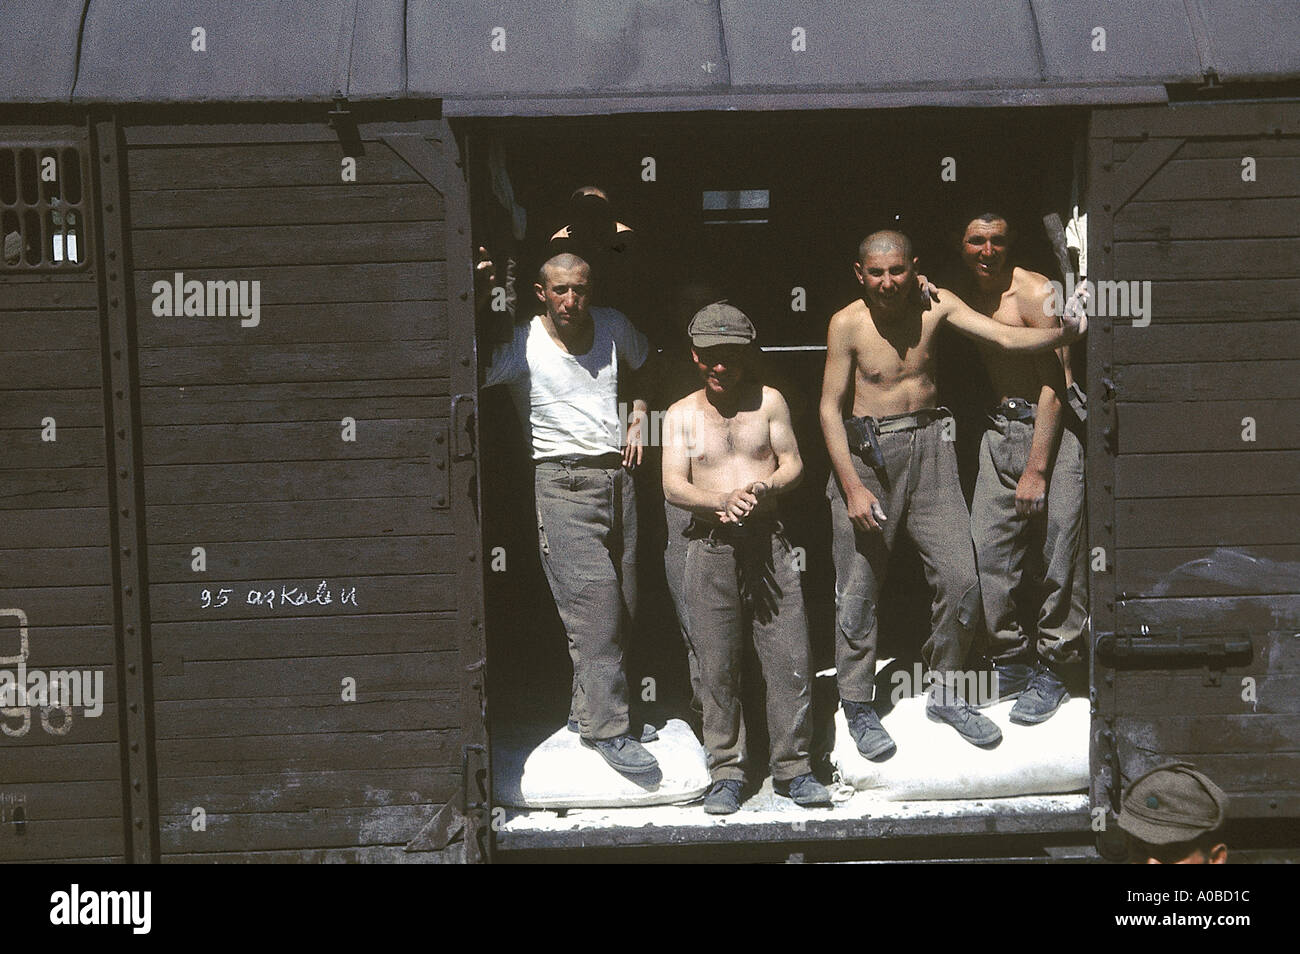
x: 244, y: 456
x: 60, y: 794
x: 1206, y: 521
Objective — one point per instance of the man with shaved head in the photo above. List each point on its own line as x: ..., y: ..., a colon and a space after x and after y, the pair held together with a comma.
x: 885, y: 242
x: 895, y: 470
x: 562, y: 368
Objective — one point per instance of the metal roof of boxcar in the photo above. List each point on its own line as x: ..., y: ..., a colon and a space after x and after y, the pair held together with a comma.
x: 531, y: 56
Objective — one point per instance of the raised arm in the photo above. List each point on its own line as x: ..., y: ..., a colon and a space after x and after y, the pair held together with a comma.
x: 1007, y: 337
x: 497, y: 325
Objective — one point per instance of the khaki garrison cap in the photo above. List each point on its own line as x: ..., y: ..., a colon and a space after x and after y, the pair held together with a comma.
x: 720, y: 324
x: 1172, y: 803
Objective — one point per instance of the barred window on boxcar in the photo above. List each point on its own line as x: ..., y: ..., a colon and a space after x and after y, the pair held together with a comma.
x: 42, y: 216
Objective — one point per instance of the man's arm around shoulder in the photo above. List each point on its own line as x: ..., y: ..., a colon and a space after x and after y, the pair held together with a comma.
x: 1007, y: 337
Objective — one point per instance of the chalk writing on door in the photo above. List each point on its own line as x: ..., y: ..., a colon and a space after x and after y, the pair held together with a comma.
x: 278, y: 596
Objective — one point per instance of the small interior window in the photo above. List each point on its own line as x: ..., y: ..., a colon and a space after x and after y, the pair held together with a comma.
x: 735, y: 206
x: 42, y: 219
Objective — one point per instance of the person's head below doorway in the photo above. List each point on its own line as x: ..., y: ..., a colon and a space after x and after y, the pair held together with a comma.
x: 1174, y: 814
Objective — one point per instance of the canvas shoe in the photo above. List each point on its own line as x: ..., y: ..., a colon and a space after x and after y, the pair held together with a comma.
x: 970, y: 725
x: 803, y: 790
x: 1041, y: 698
x: 723, y: 797
x: 625, y: 754
x: 868, y: 734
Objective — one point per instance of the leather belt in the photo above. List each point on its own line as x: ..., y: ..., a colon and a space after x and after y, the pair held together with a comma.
x: 891, y: 423
x: 731, y: 532
x: 605, y: 461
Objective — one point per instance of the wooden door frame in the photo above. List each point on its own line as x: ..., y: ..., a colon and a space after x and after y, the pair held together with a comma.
x: 1156, y: 133
x: 430, y: 147
x: 433, y: 151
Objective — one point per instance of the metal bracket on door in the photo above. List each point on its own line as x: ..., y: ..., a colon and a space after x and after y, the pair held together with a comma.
x: 1178, y: 648
x: 1178, y: 651
x: 474, y: 778
x: 457, y: 400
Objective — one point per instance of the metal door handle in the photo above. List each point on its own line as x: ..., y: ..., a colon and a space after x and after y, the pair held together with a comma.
x: 456, y: 454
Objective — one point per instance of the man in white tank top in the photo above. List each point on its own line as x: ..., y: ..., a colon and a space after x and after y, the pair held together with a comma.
x: 562, y: 372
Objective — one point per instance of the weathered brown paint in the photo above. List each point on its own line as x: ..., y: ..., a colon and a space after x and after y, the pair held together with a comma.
x: 1193, y: 504
x: 349, y: 257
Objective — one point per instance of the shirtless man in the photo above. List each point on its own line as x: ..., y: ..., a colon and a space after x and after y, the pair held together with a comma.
x: 1030, y: 486
x: 728, y: 455
x: 880, y: 364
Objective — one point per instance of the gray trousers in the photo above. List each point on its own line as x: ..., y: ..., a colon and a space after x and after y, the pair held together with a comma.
x: 677, y: 520
x: 586, y: 531
x: 921, y: 497
x: 736, y: 580
x: 1002, y: 539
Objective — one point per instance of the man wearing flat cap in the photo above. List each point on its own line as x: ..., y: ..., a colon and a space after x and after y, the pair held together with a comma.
x: 729, y: 454
x: 1174, y: 815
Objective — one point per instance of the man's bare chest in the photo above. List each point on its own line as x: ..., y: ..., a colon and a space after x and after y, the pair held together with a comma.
x: 744, y: 435
x: 1012, y: 307
x: 882, y: 361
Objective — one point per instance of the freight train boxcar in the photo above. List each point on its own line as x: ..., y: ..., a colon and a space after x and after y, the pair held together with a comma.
x: 251, y: 496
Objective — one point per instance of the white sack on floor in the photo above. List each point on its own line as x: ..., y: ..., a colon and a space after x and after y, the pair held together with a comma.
x: 563, y: 773
x: 933, y: 761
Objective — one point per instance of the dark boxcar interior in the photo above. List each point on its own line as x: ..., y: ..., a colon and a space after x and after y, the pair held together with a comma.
x: 828, y: 180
